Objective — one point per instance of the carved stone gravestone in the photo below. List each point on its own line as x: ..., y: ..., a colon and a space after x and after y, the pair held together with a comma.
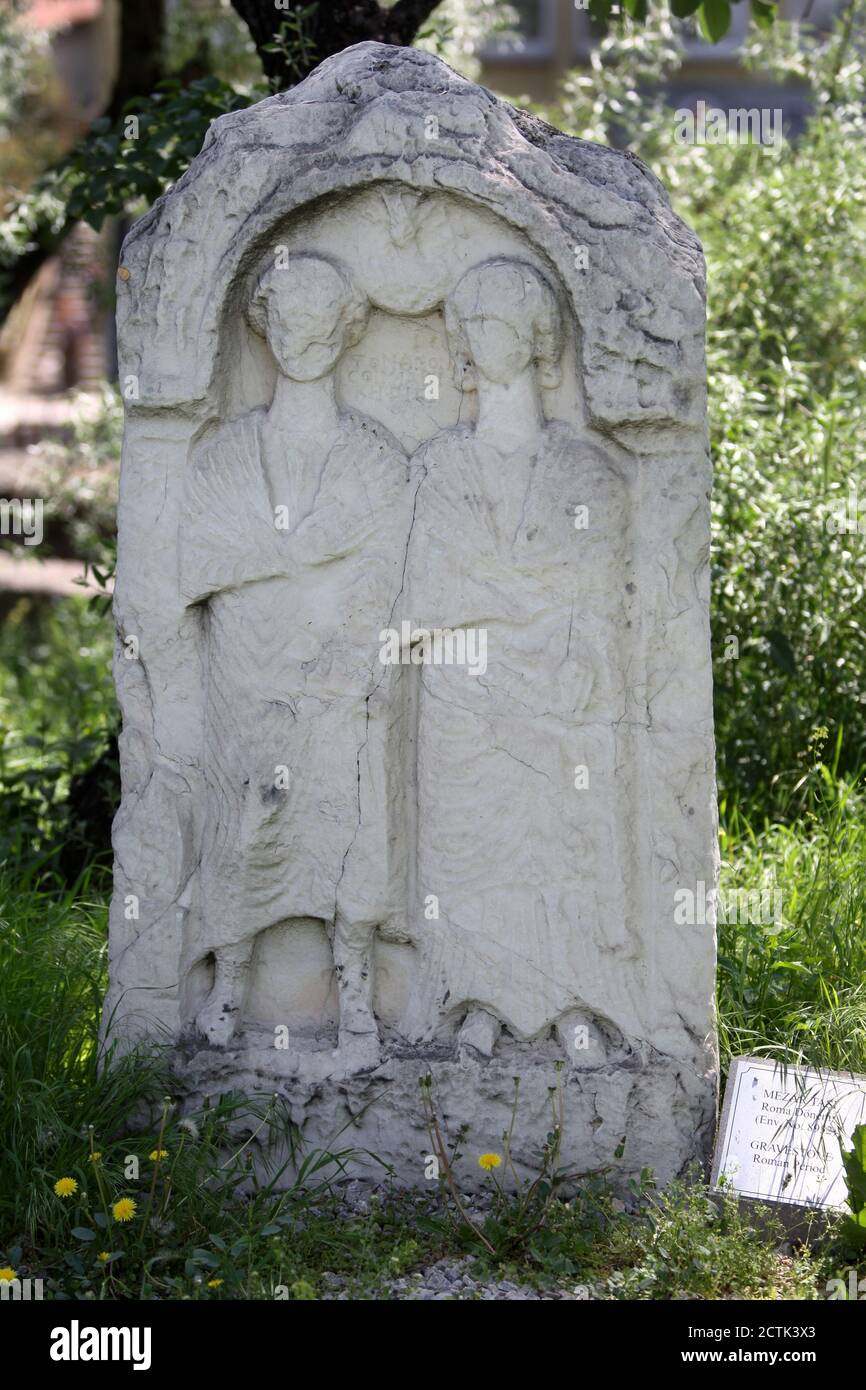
x: 413, y: 643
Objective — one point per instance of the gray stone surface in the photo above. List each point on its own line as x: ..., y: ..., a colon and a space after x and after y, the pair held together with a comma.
x: 412, y: 608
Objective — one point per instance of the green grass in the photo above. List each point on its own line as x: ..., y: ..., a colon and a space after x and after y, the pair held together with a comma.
x: 795, y: 989
x: 52, y: 980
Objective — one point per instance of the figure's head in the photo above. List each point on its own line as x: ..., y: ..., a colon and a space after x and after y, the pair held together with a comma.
x: 501, y: 316
x: 309, y: 312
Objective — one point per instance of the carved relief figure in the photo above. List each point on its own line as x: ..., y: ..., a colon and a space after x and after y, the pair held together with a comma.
x: 293, y: 544
x: 370, y: 435
x: 519, y: 862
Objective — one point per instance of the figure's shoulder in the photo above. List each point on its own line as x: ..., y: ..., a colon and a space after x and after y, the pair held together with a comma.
x: 583, y: 453
x: 444, y: 450
x: 229, y: 441
x: 359, y: 428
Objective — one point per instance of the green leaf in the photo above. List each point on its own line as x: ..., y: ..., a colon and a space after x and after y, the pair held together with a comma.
x: 714, y: 19
x: 764, y: 15
x: 854, y: 1160
x: 205, y: 1257
x: 683, y: 8
x: 83, y: 1233
x: 854, y: 1228
x: 600, y: 10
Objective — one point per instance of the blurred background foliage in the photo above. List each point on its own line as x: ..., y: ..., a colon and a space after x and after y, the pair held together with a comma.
x: 784, y: 232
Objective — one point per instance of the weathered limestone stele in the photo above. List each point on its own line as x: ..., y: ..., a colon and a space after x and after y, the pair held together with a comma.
x: 413, y: 640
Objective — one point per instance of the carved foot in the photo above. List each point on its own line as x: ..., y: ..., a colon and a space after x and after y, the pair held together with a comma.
x: 217, y: 1022
x: 478, y: 1036
x: 358, y: 1051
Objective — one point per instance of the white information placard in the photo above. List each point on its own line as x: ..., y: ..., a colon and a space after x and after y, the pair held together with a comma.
x: 782, y: 1132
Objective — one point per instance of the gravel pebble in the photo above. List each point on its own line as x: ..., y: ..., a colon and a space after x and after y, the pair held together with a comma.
x: 449, y: 1279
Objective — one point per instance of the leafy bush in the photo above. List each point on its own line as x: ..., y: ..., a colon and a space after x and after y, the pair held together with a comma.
x: 57, y: 714
x: 684, y: 1242
x: 784, y: 230
x: 79, y: 481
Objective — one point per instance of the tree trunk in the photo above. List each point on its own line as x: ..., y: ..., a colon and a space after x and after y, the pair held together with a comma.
x: 331, y: 26
x: 141, y: 58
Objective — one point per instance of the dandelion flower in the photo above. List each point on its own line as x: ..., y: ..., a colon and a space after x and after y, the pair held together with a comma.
x: 96, y: 1156
x: 157, y: 1154
x: 103, y: 1256
x: 124, y: 1210
x: 7, y: 1274
x: 189, y: 1127
x: 488, y: 1161
x: 214, y: 1283
x: 65, y: 1187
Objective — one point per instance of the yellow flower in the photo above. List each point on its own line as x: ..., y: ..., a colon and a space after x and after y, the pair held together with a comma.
x: 103, y: 1256
x: 124, y: 1210
x: 7, y: 1274
x: 488, y: 1161
x: 64, y: 1187
x: 214, y: 1283
x: 158, y: 1154
x: 96, y: 1156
